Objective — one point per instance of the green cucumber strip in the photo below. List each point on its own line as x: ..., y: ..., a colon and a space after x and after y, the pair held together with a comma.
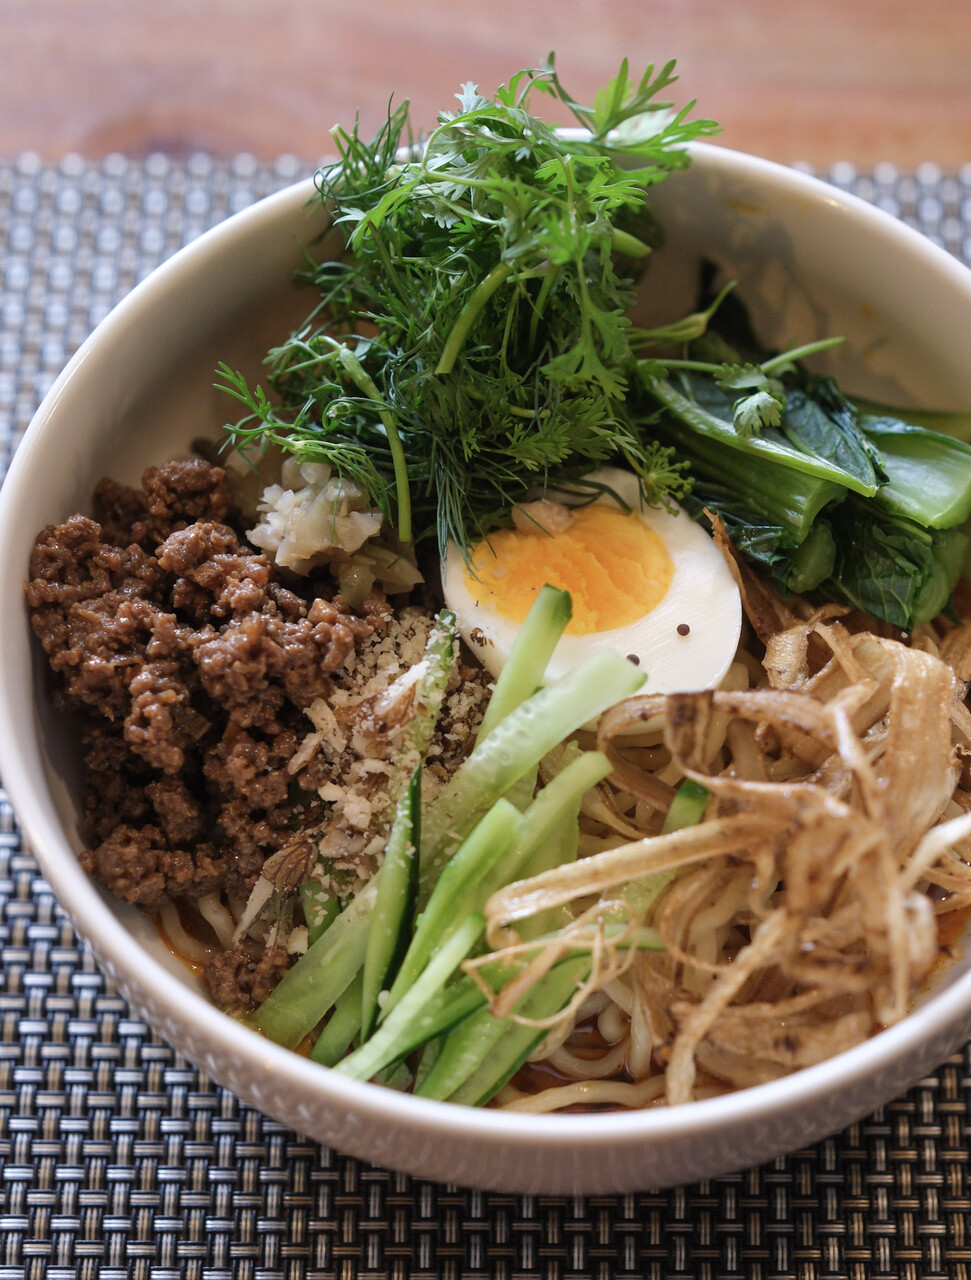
x: 560, y: 849
x: 502, y: 1059
x: 427, y: 1060
x: 341, y: 1027
x: 456, y: 892
x: 437, y: 658
x: 321, y: 975
x: 399, y: 1077
x: 529, y: 656
x: 517, y: 743
x: 320, y: 909
x: 482, y: 1046
x: 688, y: 806
x: 522, y: 791
x: 436, y: 667
x: 382, y: 1048
x: 456, y: 1002
x: 388, y: 936
x: 641, y: 895
x: 542, y: 821
x: 524, y: 670
x: 319, y: 978
x: 446, y: 1008
x: 701, y: 422
x: 462, y: 1053
x: 553, y: 831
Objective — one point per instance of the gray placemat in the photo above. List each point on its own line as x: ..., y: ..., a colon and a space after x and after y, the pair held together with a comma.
x: 119, y: 1158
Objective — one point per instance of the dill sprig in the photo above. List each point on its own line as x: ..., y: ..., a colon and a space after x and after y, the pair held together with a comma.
x: 472, y: 343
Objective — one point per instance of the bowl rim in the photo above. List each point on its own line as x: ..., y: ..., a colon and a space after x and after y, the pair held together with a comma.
x: 94, y: 918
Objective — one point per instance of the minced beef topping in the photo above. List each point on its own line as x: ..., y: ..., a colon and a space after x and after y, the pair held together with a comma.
x: 191, y: 664
x: 240, y: 980
x: 236, y: 727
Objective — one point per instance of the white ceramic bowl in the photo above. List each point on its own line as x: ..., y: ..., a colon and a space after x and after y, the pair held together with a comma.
x: 810, y: 261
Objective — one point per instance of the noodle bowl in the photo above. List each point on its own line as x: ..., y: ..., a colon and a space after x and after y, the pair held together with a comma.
x: 913, y: 324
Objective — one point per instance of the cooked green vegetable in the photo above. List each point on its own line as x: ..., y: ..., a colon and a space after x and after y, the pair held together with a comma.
x: 927, y: 471
x: 806, y: 439
x: 892, y: 567
x: 822, y: 495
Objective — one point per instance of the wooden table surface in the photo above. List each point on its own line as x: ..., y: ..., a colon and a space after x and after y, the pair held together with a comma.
x: 819, y: 81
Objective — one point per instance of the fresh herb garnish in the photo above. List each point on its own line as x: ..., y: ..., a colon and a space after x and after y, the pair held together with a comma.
x: 473, y: 342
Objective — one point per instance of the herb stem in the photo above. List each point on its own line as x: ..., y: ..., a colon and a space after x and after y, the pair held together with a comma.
x: 550, y: 278
x: 768, y: 367
x: 799, y: 353
x: 356, y: 372
x: 693, y: 366
x: 630, y: 246
x: 460, y: 330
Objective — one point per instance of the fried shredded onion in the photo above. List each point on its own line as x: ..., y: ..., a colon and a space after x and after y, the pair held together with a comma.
x: 800, y: 915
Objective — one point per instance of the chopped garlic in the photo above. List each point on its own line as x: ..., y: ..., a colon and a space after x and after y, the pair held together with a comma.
x: 325, y: 513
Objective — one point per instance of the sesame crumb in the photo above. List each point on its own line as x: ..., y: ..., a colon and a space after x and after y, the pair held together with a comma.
x: 354, y: 748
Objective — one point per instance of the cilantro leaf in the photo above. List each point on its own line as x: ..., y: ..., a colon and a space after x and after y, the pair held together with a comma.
x: 764, y: 404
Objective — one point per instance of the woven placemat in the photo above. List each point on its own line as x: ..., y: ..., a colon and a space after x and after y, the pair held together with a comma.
x: 119, y: 1158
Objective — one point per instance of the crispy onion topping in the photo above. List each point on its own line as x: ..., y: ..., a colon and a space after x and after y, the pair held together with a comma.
x: 800, y: 914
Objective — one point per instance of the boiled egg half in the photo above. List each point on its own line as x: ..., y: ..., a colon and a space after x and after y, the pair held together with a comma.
x: 647, y: 583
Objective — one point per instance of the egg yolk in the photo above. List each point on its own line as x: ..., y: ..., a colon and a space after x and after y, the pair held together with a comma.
x: 614, y: 566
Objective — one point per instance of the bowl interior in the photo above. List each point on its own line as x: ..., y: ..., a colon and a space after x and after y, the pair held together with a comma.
x: 809, y: 262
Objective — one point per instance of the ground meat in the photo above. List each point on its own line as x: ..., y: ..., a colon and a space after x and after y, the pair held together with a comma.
x: 240, y: 981
x: 180, y: 815
x: 190, y: 663
x: 114, y: 782
x: 138, y: 865
x: 250, y: 768
x: 172, y: 496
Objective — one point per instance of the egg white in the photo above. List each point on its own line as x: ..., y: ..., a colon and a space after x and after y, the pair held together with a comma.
x: 702, y: 596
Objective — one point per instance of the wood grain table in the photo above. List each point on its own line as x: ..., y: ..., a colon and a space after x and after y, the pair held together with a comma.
x: 863, y: 81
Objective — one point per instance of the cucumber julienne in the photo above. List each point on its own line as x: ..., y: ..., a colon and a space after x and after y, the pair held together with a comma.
x: 385, y: 975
